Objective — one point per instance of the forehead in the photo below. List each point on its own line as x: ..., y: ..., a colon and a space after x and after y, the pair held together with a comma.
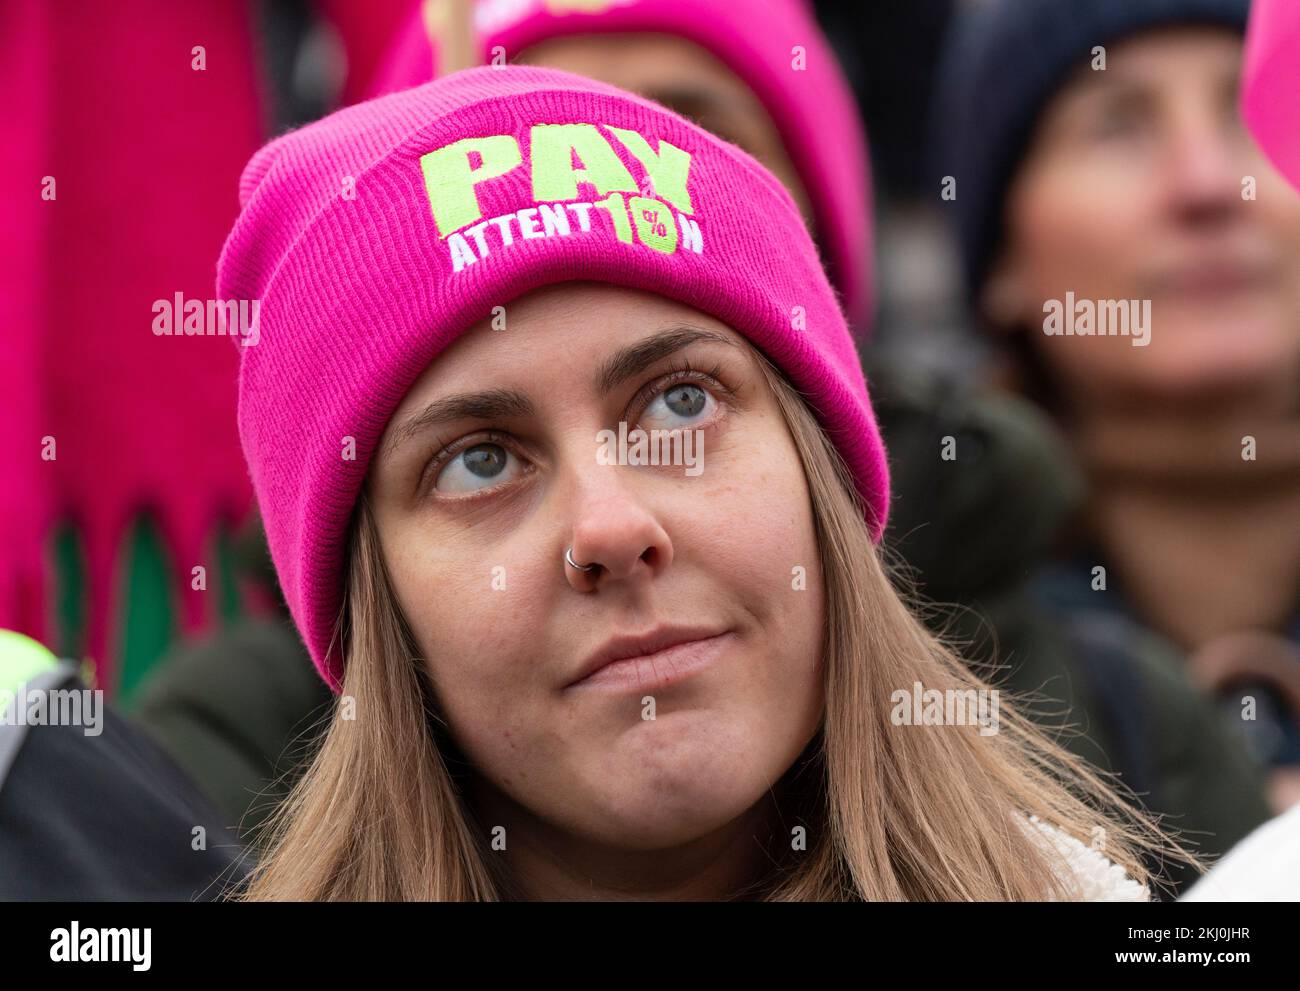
x: 1162, y: 55
x: 670, y: 70
x: 566, y: 327
x: 640, y: 61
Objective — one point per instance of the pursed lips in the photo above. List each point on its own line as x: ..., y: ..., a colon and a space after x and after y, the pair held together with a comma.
x: 664, y: 655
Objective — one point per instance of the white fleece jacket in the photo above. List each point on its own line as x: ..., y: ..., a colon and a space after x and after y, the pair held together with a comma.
x: 1090, y: 876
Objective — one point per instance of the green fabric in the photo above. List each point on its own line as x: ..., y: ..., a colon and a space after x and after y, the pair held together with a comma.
x: 971, y: 533
x: 1203, y: 785
x: 238, y: 710
x: 146, y: 622
x: 70, y: 601
x: 150, y: 621
x: 983, y: 521
x: 229, y: 608
x: 1211, y: 791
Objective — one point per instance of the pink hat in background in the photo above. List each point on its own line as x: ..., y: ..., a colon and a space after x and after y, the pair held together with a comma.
x: 1270, y: 93
x: 775, y: 46
x: 371, y: 239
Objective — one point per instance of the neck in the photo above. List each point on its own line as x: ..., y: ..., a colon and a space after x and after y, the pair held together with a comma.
x: 1205, y: 540
x: 548, y: 863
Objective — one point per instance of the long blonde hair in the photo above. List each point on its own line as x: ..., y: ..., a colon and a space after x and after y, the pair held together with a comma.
x: 916, y: 813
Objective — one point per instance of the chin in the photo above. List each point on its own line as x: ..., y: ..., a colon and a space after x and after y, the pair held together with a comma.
x: 1210, y: 372
x: 661, y: 802
x: 654, y: 822
x: 1217, y: 349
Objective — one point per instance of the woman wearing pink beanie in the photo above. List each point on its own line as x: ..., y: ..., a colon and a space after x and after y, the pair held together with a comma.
x: 573, y: 486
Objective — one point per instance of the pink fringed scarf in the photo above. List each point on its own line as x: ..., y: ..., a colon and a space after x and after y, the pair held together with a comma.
x: 144, y: 152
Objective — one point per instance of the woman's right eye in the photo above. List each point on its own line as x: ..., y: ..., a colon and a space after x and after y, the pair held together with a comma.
x: 478, y: 467
x: 1125, y: 118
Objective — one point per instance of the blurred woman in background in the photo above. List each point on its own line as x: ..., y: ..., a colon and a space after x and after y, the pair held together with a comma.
x: 1102, y: 167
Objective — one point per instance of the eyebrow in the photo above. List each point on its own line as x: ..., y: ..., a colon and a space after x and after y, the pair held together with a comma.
x: 492, y: 404
x: 1124, y: 77
x: 689, y: 101
x: 700, y: 105
x: 500, y: 404
x: 636, y: 358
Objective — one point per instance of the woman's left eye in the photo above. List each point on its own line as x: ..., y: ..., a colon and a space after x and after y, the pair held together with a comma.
x: 681, y: 404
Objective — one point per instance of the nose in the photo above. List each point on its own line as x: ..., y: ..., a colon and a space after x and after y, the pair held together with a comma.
x: 1203, y: 168
x: 615, y: 533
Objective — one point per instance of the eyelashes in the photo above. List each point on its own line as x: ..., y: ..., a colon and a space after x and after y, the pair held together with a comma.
x: 454, y: 459
x: 452, y: 472
x: 681, y: 371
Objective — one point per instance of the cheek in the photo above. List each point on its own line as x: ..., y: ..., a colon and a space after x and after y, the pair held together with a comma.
x: 1079, y: 229
x: 1276, y: 202
x: 466, y: 614
x: 1093, y: 366
x: 480, y: 646
x: 1278, y: 212
x: 752, y: 532
x: 1075, y: 229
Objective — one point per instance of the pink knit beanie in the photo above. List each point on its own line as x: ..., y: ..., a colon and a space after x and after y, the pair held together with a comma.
x: 775, y: 46
x: 371, y: 239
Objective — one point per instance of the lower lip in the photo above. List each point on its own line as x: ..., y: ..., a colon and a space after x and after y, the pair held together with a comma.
x: 659, y: 670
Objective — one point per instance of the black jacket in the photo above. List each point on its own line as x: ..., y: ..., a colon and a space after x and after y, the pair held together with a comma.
x: 107, y: 815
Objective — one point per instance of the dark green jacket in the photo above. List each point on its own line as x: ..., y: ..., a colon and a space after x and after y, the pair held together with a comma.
x: 975, y: 531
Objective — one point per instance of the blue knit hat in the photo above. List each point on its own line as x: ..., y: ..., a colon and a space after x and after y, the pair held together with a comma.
x: 1004, y: 60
